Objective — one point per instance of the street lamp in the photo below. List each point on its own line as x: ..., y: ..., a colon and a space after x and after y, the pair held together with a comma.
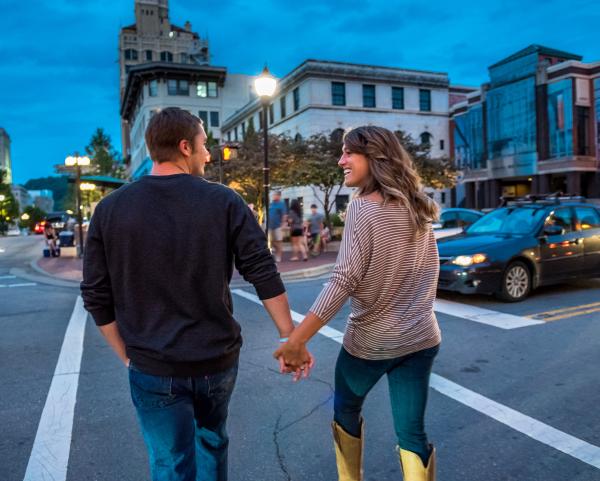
x: 78, y: 162
x: 265, y: 85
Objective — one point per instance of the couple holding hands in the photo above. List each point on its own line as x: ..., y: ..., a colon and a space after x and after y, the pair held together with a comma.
x: 160, y: 296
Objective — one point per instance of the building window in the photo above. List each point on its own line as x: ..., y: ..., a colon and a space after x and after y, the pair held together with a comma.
x: 214, y: 119
x: 184, y: 58
x: 243, y: 130
x: 282, y: 106
x: 149, y: 55
x: 206, y: 89
x: 271, y: 114
x: 235, y: 134
x: 442, y: 144
x: 166, y: 56
x: 178, y: 87
x: 369, y: 96
x: 153, y: 88
x: 426, y: 139
x: 398, y: 98
x: 203, y: 114
x: 424, y: 100
x: 131, y: 54
x: 229, y: 136
x: 338, y: 93
x: 443, y: 197
x: 296, y: 98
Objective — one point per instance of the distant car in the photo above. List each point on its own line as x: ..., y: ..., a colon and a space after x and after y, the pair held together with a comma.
x: 58, y: 220
x: 516, y: 248
x: 39, y: 227
x: 454, y: 220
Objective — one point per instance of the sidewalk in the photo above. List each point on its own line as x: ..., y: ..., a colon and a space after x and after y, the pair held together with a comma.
x: 70, y: 268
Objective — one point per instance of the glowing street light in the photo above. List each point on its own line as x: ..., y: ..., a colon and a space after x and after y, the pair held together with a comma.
x: 25, y: 216
x: 87, y: 186
x: 265, y: 85
x: 78, y: 162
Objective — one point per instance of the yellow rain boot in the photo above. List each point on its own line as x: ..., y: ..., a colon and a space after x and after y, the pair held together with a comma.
x: 348, y: 453
x: 412, y: 466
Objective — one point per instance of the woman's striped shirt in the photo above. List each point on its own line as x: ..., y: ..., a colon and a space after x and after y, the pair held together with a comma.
x: 391, y: 277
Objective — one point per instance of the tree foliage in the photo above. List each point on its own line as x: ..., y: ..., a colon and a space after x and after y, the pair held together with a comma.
x: 35, y: 215
x: 9, y: 208
x: 104, y: 158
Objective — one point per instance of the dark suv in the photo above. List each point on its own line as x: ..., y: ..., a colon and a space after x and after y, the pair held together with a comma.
x: 524, y: 244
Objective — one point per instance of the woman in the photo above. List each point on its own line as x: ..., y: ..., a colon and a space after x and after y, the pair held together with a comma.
x: 388, y: 265
x: 51, y: 239
x: 297, y: 231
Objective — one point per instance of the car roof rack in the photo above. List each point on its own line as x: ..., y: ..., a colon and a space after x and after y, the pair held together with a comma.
x: 545, y: 199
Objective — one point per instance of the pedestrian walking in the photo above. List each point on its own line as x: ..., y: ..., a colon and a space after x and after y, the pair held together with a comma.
x: 158, y: 260
x: 388, y: 265
x: 297, y: 232
x: 277, y: 222
x: 315, y: 222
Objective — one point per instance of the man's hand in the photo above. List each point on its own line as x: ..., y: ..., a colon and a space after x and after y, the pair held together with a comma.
x: 294, y: 357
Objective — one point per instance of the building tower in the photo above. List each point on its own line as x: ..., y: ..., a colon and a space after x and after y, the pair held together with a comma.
x: 5, y: 162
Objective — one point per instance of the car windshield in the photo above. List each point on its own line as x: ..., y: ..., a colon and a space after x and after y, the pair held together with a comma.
x: 506, y: 220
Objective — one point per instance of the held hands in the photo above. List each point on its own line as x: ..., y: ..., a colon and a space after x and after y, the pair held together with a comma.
x: 294, y: 358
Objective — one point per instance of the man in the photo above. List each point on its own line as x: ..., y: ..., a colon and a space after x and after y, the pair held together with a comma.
x: 315, y: 226
x: 277, y: 219
x: 158, y: 261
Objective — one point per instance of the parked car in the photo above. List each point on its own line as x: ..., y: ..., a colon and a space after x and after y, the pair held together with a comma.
x: 454, y: 220
x: 516, y: 248
x: 58, y: 220
x: 39, y: 227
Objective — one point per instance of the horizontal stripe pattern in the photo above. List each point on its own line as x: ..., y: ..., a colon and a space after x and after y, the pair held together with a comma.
x: 391, y: 278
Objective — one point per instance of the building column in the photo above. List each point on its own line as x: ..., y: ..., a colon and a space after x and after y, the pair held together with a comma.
x: 540, y: 184
x: 470, y: 195
x: 495, y: 191
x: 574, y: 183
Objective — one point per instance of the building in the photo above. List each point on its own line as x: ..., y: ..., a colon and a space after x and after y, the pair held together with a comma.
x: 206, y: 91
x: 21, y: 195
x: 5, y: 161
x: 323, y: 96
x: 42, y: 199
x: 153, y: 38
x: 534, y: 128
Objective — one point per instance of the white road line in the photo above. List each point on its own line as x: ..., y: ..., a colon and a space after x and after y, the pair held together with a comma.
x: 50, y: 453
x: 483, y: 316
x: 24, y: 284
x: 8, y: 277
x: 581, y: 450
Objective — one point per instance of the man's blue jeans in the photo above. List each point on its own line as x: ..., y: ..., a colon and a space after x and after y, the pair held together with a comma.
x: 183, y: 422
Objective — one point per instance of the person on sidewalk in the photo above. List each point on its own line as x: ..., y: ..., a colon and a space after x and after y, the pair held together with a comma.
x: 297, y: 232
x: 277, y: 222
x: 315, y: 223
x: 388, y: 265
x: 158, y: 260
x: 51, y: 239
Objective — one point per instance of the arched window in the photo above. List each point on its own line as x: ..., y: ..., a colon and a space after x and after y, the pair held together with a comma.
x: 426, y: 138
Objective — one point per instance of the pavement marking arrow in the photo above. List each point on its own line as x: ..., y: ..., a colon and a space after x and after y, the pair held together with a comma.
x: 577, y: 448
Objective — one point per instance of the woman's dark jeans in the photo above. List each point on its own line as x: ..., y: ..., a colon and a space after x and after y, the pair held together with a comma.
x: 183, y: 423
x: 408, y: 379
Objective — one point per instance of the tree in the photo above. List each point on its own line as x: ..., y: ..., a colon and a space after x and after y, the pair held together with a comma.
x: 314, y: 162
x: 438, y: 173
x: 35, y: 215
x: 9, y: 208
x: 62, y: 192
x: 104, y: 158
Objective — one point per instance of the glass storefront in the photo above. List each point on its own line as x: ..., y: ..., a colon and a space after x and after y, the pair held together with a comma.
x: 560, y: 118
x: 468, y: 139
x: 597, y: 108
x: 511, y: 127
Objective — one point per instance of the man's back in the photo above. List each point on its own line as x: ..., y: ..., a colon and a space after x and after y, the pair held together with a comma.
x: 168, y: 245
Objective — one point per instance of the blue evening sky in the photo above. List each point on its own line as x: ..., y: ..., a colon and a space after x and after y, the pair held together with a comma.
x: 59, y: 69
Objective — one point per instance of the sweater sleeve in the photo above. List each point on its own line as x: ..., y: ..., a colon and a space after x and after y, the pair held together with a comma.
x: 252, y: 257
x: 96, y: 289
x: 350, y: 267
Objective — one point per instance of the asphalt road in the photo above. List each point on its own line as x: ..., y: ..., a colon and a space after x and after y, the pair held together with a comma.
x: 280, y: 430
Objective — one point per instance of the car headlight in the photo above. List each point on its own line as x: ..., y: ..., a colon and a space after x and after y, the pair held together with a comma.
x: 466, y: 261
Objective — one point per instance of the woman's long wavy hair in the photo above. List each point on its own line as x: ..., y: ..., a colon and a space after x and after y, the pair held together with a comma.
x: 392, y: 173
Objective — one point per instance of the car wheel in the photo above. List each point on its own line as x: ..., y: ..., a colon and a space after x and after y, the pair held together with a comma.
x: 516, y: 282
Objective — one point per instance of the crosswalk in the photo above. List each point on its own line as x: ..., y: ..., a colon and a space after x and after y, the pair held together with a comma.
x: 11, y: 285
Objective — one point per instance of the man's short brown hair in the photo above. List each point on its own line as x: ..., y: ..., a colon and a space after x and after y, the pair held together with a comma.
x: 166, y: 129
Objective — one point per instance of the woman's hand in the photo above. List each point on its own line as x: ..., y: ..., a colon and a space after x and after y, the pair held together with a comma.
x: 294, y: 357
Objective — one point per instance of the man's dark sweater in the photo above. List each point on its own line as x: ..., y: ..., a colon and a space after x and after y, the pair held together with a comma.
x: 159, y: 258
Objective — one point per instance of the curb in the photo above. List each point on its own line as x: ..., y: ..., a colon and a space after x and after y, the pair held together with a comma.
x: 44, y: 278
x: 307, y: 273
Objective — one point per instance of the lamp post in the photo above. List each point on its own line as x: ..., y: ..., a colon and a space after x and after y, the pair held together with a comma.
x: 88, y: 188
x: 265, y: 85
x: 78, y: 162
